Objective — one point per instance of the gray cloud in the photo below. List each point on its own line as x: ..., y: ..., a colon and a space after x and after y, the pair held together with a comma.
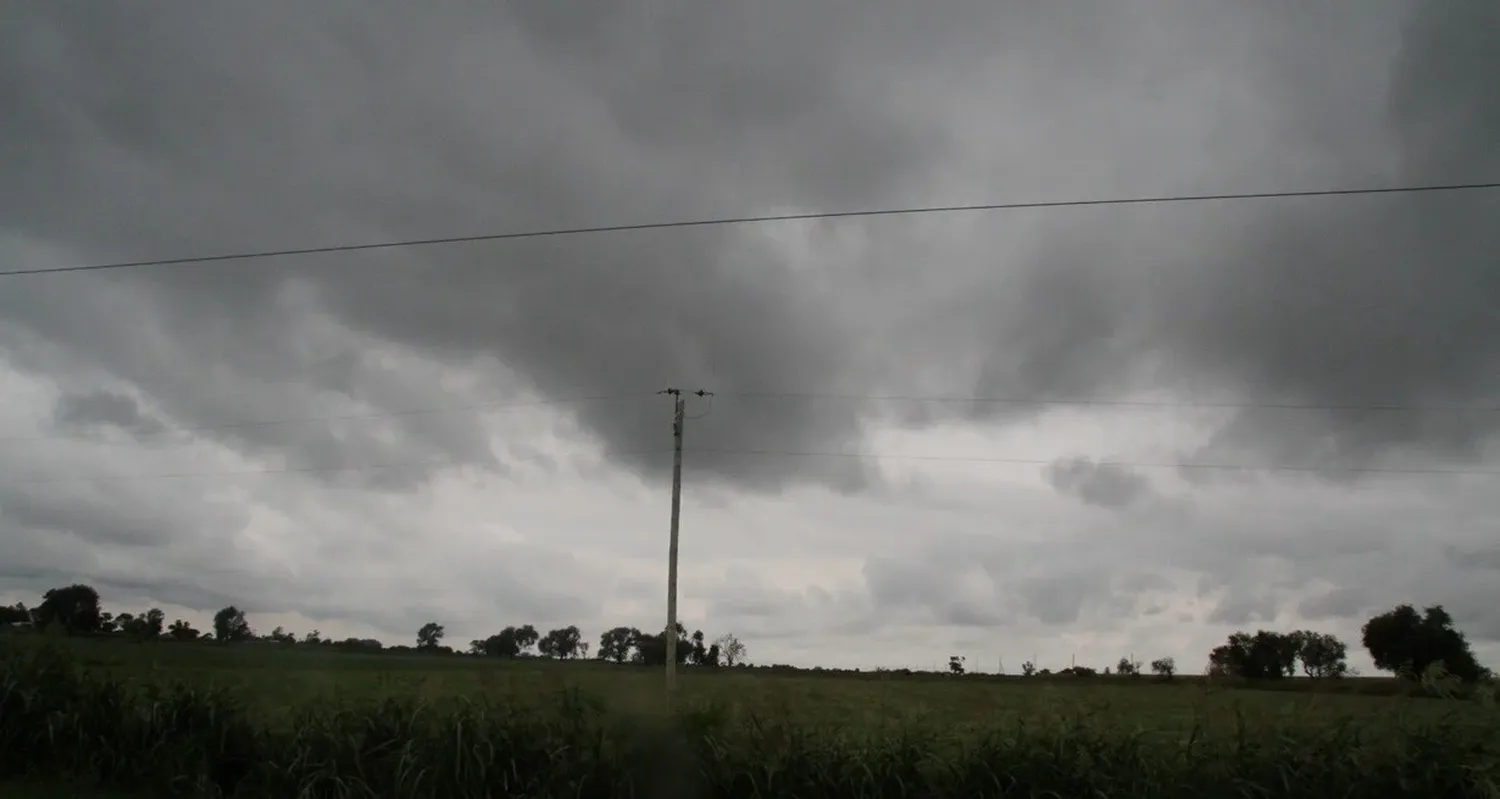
x: 181, y: 130
x: 86, y: 411
x: 1105, y: 485
x: 1244, y: 607
x: 1347, y: 602
x: 590, y: 130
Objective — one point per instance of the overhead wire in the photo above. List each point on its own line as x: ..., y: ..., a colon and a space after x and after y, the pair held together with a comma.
x: 1113, y: 403
x: 748, y: 220
x: 1120, y: 463
x: 256, y: 423
x: 771, y: 218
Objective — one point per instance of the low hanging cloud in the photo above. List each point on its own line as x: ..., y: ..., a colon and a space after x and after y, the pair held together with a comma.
x: 359, y: 418
x: 1106, y: 485
x: 1332, y: 301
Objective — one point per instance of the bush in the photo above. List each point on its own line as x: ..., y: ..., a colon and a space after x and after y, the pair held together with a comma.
x: 180, y: 740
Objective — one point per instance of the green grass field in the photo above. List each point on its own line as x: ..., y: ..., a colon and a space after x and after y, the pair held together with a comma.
x: 831, y: 734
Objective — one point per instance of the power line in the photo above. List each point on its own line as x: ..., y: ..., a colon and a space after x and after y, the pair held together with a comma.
x: 1120, y: 463
x: 1112, y: 403
x: 340, y: 417
x: 367, y: 467
x: 749, y: 220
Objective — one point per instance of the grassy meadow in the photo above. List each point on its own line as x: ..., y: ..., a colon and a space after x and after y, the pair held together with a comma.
x: 326, y: 723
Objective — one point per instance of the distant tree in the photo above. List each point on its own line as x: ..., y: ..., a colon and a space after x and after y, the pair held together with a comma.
x: 1028, y: 669
x: 314, y: 637
x: 429, y: 635
x: 1408, y: 643
x: 1166, y: 667
x: 107, y: 623
x: 526, y: 638
x: 561, y: 643
x: 731, y: 649
x: 956, y: 664
x: 509, y: 642
x: 651, y: 650
x: 616, y: 644
x: 700, y: 651
x: 1262, y: 656
x: 230, y: 626
x: 14, y: 614
x: 281, y: 636
x: 74, y: 610
x: 504, y: 644
x: 182, y: 631
x: 583, y: 650
x: 145, y: 627
x: 1322, y: 655
x: 1127, y: 667
x: 155, y: 623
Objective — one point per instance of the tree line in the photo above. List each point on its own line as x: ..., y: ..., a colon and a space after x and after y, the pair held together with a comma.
x: 76, y: 610
x: 1404, y: 641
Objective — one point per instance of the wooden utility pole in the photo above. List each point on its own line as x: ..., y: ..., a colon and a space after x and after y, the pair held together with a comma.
x: 679, y: 418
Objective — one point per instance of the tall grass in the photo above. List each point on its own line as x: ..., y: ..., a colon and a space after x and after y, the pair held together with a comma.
x: 180, y: 739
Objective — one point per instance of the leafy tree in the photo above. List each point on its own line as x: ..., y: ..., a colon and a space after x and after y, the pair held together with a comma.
x: 731, y: 649
x: 956, y: 664
x: 74, y: 610
x: 182, y: 631
x: 561, y: 643
x: 1323, y: 655
x: 651, y: 650
x: 508, y: 643
x: 1262, y: 656
x: 526, y: 638
x: 504, y: 644
x: 155, y: 620
x: 429, y: 636
x: 281, y: 636
x: 1166, y: 667
x: 616, y: 644
x: 15, y: 614
x: 1406, y: 642
x: 314, y: 637
x: 230, y: 626
x: 108, y: 623
x: 1028, y: 669
x: 1127, y: 667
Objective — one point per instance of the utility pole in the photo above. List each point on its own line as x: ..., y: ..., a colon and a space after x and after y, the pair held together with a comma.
x: 679, y: 417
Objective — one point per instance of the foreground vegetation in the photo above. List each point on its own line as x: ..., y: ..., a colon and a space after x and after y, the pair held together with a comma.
x: 283, y: 722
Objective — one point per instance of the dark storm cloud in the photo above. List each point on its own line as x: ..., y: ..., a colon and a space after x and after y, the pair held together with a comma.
x: 1244, y: 606
x: 1105, y: 485
x: 1347, y: 602
x: 1374, y: 301
x: 95, y: 408
x: 215, y: 127
x: 376, y: 124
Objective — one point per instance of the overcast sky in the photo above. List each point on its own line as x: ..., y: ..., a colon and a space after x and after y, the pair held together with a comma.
x: 363, y: 442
